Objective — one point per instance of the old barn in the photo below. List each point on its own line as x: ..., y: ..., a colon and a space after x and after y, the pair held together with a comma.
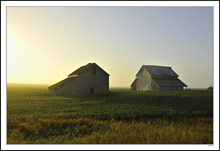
x: 88, y: 79
x: 151, y: 77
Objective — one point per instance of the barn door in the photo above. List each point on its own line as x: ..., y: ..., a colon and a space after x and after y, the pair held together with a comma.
x: 91, y: 90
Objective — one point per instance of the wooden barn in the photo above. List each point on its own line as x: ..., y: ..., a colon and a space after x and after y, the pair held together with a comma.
x: 151, y: 77
x: 86, y: 80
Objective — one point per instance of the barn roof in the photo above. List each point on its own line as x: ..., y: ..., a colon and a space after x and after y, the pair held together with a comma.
x: 58, y: 84
x: 83, y: 68
x: 169, y: 82
x: 159, y: 70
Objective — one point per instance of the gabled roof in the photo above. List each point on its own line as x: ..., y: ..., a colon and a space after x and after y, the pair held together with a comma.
x: 83, y: 68
x: 159, y: 70
x: 79, y: 70
x: 58, y: 84
x: 169, y: 82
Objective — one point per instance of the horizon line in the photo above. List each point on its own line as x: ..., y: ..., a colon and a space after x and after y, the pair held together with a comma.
x: 109, y: 87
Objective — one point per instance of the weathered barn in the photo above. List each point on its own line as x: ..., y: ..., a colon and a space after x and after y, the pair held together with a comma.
x: 88, y: 79
x: 151, y: 77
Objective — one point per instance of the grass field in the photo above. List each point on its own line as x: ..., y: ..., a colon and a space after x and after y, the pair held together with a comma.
x: 34, y: 115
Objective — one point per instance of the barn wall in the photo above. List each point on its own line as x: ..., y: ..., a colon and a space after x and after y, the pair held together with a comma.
x: 133, y: 87
x: 143, y: 81
x: 154, y: 86
x: 100, y: 82
x: 170, y: 88
x: 65, y: 89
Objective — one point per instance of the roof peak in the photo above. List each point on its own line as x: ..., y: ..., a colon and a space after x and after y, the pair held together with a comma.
x: 156, y: 66
x: 82, y: 68
x: 91, y: 63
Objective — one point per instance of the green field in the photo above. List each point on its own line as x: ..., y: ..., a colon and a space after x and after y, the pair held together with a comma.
x: 34, y: 115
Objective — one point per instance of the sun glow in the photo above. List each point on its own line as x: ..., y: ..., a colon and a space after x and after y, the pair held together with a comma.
x: 13, y: 56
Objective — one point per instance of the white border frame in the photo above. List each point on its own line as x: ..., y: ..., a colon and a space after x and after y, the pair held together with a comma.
x: 214, y: 4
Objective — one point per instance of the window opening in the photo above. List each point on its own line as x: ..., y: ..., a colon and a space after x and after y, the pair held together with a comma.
x: 94, y: 70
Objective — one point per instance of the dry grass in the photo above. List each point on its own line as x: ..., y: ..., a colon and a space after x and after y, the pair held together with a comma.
x: 86, y: 131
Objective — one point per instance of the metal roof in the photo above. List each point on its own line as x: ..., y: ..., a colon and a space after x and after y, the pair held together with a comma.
x: 160, y: 70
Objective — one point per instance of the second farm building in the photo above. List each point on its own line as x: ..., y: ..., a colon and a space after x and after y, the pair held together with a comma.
x: 151, y: 77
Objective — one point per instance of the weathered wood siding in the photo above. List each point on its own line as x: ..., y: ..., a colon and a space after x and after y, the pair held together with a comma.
x: 133, y: 87
x: 100, y: 82
x: 143, y: 81
x: 65, y: 89
x: 167, y: 88
x: 154, y: 86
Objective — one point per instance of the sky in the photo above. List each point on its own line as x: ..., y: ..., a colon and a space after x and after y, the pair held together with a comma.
x: 45, y: 44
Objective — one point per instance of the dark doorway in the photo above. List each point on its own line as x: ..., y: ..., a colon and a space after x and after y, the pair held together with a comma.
x: 92, y: 90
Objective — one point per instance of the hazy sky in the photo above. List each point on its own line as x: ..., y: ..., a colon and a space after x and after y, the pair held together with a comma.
x: 45, y: 44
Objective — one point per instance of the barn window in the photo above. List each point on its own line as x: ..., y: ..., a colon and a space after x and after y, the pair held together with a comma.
x: 94, y: 70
